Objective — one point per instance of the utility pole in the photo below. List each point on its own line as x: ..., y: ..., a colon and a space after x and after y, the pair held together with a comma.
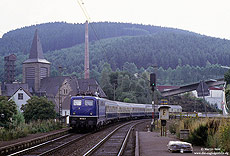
x: 114, y: 94
x: 60, y: 102
x: 205, y: 107
x: 202, y: 91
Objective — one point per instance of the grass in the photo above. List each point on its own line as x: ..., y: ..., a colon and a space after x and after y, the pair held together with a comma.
x: 23, y: 130
x: 214, y: 132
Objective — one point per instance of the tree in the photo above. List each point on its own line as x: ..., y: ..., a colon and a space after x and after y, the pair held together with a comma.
x: 38, y: 108
x: 227, y: 94
x: 105, y: 81
x: 227, y: 77
x: 7, y: 110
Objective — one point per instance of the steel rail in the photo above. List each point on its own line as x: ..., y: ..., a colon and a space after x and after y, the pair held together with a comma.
x: 13, y: 148
x: 62, y: 145
x: 103, y: 140
x: 98, y: 145
x: 126, y: 140
x: 39, y: 145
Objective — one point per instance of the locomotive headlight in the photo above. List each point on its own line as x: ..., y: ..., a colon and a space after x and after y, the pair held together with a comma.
x: 74, y: 113
x: 91, y: 113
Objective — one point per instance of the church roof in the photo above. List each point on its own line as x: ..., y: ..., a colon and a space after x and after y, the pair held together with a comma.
x: 36, y: 52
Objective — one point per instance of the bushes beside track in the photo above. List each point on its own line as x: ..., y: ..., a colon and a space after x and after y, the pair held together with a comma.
x: 206, y: 132
x: 22, y: 130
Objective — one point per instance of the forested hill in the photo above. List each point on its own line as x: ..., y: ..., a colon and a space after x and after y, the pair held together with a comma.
x: 177, y: 53
x: 55, y: 36
x: 165, y: 49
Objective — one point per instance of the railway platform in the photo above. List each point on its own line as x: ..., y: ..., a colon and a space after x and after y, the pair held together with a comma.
x: 152, y: 144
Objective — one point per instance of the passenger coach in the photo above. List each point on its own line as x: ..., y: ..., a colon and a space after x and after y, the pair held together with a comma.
x: 94, y: 112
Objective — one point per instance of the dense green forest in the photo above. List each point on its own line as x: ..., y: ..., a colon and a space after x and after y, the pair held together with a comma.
x: 182, y: 57
x: 59, y: 35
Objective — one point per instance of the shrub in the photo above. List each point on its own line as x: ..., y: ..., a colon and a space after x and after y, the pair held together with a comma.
x: 225, y: 137
x: 173, y: 127
x: 17, y: 119
x: 199, y: 136
x: 207, y: 132
x: 38, y: 108
x: 7, y: 110
x: 23, y: 130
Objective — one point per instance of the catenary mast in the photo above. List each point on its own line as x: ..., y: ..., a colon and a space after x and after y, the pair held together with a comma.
x: 86, y: 69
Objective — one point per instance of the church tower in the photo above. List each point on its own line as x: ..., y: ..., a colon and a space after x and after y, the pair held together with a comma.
x: 36, y: 67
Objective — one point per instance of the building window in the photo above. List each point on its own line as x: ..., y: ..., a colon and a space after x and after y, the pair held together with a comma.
x: 20, y: 96
x: 65, y: 91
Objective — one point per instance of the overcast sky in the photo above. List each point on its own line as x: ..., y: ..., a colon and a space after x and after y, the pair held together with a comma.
x: 208, y: 17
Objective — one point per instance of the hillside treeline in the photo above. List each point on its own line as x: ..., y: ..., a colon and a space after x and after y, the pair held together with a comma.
x: 182, y: 57
x: 59, y: 35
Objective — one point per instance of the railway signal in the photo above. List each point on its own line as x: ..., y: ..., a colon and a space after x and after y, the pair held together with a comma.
x: 152, y: 81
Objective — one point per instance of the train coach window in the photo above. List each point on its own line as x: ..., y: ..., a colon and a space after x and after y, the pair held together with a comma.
x: 89, y: 102
x: 77, y: 102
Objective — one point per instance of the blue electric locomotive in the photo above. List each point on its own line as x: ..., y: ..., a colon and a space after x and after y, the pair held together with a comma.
x: 85, y: 111
x: 94, y: 112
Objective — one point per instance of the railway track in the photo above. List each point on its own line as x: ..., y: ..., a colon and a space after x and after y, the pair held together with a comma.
x: 13, y: 148
x: 50, y: 146
x: 115, y: 142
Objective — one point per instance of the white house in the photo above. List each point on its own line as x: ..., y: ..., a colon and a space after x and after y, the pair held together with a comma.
x: 20, y: 97
x: 215, y: 97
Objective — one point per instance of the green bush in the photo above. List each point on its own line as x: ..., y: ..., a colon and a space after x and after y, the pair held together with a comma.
x: 225, y: 138
x: 17, y: 119
x: 38, y: 108
x: 173, y: 127
x: 7, y: 110
x: 199, y: 136
x: 214, y: 133
x: 23, y: 130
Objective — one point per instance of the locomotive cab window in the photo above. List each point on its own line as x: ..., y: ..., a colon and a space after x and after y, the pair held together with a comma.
x: 77, y: 102
x: 89, y: 102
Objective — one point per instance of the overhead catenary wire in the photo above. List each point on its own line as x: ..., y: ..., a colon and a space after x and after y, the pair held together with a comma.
x: 81, y: 4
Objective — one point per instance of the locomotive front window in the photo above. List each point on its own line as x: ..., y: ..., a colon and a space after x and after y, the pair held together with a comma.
x: 77, y: 102
x: 89, y: 102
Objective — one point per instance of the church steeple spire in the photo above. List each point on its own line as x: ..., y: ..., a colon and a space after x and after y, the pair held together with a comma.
x: 36, y: 52
x: 36, y: 48
x: 36, y: 67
